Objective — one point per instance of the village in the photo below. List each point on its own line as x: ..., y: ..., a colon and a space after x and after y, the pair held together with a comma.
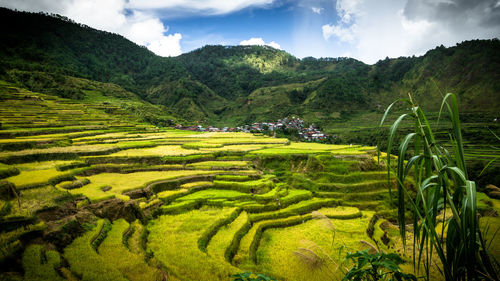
x: 305, y: 132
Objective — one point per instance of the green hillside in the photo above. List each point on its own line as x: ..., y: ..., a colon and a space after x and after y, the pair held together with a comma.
x: 218, y: 84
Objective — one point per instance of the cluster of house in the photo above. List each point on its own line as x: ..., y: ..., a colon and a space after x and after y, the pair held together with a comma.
x: 309, y: 133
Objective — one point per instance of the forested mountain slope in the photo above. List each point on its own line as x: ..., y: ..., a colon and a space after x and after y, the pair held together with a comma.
x: 233, y: 85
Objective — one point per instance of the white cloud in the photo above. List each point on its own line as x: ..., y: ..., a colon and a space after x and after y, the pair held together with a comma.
x: 141, y: 27
x: 210, y: 7
x: 317, y: 10
x: 274, y: 45
x: 346, y: 9
x: 167, y: 46
x: 259, y: 41
x: 345, y: 34
x: 373, y: 30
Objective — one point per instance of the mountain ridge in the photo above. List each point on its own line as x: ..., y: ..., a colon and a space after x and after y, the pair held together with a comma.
x: 224, y: 84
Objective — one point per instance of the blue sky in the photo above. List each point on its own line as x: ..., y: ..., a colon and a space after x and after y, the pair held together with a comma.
x: 367, y: 30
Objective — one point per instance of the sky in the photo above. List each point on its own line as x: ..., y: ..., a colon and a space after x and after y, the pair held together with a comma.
x: 367, y: 30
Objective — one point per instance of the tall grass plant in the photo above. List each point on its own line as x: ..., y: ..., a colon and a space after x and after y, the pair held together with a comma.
x: 442, y: 186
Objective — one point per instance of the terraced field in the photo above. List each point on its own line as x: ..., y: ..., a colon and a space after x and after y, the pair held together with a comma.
x: 87, y: 195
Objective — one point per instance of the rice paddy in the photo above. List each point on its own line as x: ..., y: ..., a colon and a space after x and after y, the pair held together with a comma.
x: 104, y: 197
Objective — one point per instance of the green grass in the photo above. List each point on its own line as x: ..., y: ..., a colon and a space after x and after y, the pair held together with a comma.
x: 299, y: 208
x: 173, y: 240
x: 40, y: 264
x: 310, y: 148
x: 86, y: 262
x: 275, y: 193
x: 120, y: 183
x: 67, y: 152
x: 221, y: 241
x: 215, y: 194
x: 36, y: 173
x: 239, y: 148
x: 218, y: 164
x: 232, y: 178
x: 196, y: 184
x: 37, y: 199
x: 116, y: 255
x: 162, y: 150
x: 255, y: 186
x: 276, y: 256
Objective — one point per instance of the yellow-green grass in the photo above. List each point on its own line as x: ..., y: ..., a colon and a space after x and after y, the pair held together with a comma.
x: 220, y: 241
x: 233, y: 178
x: 262, y: 185
x: 40, y: 264
x: 274, y: 193
x: 170, y: 193
x: 215, y: 194
x: 105, y: 136
x: 162, y: 150
x: 378, y: 233
x: 247, y: 252
x: 174, y: 239
x: 17, y: 140
x: 219, y: 164
x: 86, y: 262
x: 201, y: 144
x: 145, y: 205
x: 152, y: 139
x: 302, y: 207
x: 276, y: 256
x: 135, y: 241
x: 36, y: 199
x: 292, y: 196
x: 35, y: 173
x: 98, y: 148
x: 363, y: 186
x: 339, y: 211
x: 120, y: 183
x: 310, y: 148
x: 241, y: 259
x: 358, y: 176
x: 173, y: 133
x: 240, y: 147
x: 136, y: 244
x: 72, y: 135
x: 490, y: 224
x: 40, y: 165
x: 9, y: 240
x: 295, y: 195
x: 34, y: 178
x: 196, y: 184
x: 116, y: 255
x: 245, y: 140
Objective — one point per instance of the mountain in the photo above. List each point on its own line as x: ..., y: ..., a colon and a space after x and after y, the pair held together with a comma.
x: 233, y: 85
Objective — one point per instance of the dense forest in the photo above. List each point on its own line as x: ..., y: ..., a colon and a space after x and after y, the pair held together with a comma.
x: 220, y: 84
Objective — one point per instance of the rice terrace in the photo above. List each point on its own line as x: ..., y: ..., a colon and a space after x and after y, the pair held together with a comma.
x: 118, y: 164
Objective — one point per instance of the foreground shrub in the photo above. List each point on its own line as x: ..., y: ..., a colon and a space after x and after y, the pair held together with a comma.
x: 378, y: 266
x: 442, y: 184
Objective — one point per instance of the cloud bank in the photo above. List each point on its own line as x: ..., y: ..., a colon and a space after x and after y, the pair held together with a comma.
x: 260, y: 42
x: 372, y: 30
x: 205, y: 7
